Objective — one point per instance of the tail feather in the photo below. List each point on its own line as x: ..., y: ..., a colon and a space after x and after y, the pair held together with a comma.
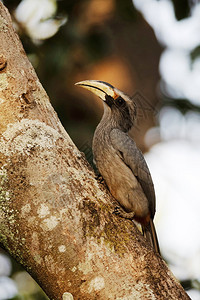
x: 149, y: 232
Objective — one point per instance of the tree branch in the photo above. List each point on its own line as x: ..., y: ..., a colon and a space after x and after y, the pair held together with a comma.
x: 55, y: 219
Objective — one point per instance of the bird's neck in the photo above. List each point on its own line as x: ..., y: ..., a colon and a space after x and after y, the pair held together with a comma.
x: 110, y: 121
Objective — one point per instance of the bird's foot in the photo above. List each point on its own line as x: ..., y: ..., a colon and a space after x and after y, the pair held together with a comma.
x: 122, y: 213
x: 99, y: 178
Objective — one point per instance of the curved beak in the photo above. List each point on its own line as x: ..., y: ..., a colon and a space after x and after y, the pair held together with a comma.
x: 99, y: 88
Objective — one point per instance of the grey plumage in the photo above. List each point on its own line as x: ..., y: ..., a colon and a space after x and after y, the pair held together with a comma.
x: 119, y: 161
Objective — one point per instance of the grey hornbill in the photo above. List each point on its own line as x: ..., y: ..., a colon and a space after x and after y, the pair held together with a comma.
x: 119, y: 161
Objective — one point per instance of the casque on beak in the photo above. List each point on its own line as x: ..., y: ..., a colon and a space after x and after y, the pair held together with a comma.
x: 99, y: 88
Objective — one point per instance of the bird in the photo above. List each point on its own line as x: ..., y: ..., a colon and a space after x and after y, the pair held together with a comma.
x: 120, y: 162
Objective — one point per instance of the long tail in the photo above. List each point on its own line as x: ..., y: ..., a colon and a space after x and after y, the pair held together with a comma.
x: 149, y: 232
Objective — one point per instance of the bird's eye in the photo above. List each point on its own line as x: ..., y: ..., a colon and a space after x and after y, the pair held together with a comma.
x: 120, y: 101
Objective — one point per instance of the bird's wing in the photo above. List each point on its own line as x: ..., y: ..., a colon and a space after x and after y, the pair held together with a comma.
x: 134, y: 159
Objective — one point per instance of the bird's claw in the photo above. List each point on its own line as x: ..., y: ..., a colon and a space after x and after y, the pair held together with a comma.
x: 99, y: 178
x: 119, y: 211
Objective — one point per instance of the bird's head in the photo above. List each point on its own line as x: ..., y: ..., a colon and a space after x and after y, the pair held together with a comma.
x: 118, y: 107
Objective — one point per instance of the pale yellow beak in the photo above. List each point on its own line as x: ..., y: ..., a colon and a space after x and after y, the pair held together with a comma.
x: 99, y: 88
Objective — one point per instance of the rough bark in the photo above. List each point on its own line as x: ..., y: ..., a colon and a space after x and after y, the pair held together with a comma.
x: 55, y: 218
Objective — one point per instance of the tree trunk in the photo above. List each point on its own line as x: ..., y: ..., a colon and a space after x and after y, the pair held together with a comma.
x: 55, y: 218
